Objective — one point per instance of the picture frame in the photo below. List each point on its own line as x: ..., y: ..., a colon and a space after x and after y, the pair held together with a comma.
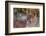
x: 9, y: 13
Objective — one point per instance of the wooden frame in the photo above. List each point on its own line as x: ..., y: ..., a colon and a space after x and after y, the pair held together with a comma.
x: 7, y: 13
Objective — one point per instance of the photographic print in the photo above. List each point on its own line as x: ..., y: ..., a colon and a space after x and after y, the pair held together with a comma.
x: 24, y: 17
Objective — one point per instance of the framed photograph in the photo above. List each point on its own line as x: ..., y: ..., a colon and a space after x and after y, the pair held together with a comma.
x: 24, y: 17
